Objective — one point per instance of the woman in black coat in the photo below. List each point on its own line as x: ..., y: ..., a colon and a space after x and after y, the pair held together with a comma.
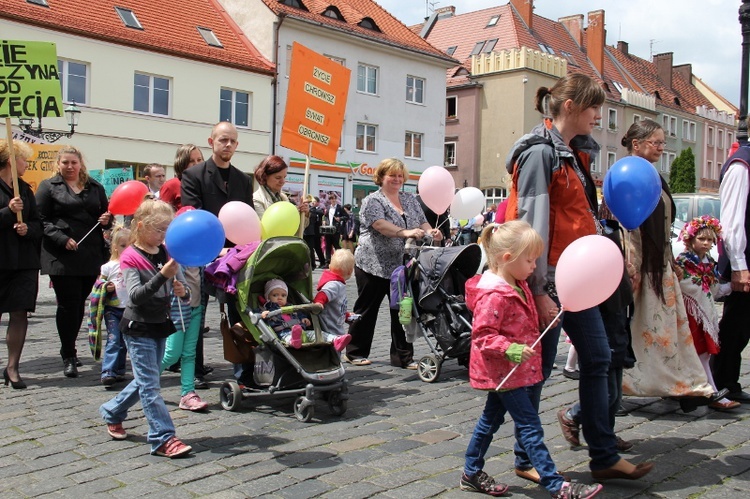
x: 70, y: 204
x: 19, y: 255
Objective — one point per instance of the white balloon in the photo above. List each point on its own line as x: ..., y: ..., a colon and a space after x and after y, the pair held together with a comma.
x: 467, y: 203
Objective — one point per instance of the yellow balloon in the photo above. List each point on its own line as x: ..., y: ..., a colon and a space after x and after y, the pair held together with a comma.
x: 279, y: 219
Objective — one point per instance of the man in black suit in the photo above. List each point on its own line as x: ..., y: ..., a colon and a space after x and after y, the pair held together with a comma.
x: 334, y: 216
x: 209, y: 186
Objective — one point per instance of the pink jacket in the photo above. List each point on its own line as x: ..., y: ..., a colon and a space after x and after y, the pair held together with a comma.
x: 501, y: 318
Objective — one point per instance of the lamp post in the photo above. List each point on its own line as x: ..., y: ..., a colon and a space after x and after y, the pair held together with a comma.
x: 72, y: 114
x: 742, y: 134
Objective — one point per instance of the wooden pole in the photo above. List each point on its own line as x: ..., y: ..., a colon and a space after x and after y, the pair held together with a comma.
x: 13, y: 168
x: 303, y: 216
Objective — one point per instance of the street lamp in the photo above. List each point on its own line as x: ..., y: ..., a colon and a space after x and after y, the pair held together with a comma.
x: 72, y: 114
x: 745, y: 23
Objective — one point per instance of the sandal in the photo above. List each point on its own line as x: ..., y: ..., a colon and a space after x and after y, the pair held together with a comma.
x: 532, y: 475
x: 362, y: 361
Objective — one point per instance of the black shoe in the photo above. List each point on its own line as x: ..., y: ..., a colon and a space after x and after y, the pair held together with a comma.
x: 17, y: 385
x: 174, y: 368
x: 572, y: 374
x: 71, y: 371
x: 689, y: 404
x: 78, y: 363
x: 109, y: 380
x: 621, y: 412
x: 205, y: 330
x: 200, y: 383
x: 740, y: 396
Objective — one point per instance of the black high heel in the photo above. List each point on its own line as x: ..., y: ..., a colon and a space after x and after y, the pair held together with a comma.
x: 17, y: 385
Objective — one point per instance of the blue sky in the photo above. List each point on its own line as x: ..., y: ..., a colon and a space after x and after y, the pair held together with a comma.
x: 704, y: 33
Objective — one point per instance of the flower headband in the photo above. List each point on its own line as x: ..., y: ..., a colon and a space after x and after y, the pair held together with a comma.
x: 691, y: 229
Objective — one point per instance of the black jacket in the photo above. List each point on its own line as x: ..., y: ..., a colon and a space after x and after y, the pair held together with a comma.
x: 16, y: 252
x: 66, y: 215
x: 203, y: 188
x: 339, y: 213
x: 316, y: 219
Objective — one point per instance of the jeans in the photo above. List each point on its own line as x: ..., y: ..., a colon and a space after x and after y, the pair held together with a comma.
x: 518, y: 403
x: 181, y: 346
x: 71, y: 292
x: 146, y: 355
x: 115, y: 353
x: 614, y: 386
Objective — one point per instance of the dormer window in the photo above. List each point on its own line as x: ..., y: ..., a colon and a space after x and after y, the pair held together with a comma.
x: 493, y: 21
x: 368, y: 23
x: 128, y: 17
x: 41, y: 3
x: 451, y: 50
x: 677, y: 101
x: 333, y: 13
x: 209, y: 37
x: 657, y: 95
x: 297, y: 4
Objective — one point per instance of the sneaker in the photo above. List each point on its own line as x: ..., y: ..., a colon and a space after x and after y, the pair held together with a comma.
x: 575, y: 490
x: 482, y: 482
x: 173, y: 448
x: 116, y: 431
x: 192, y: 402
x: 109, y: 380
x: 340, y: 343
x: 569, y: 428
x: 200, y: 383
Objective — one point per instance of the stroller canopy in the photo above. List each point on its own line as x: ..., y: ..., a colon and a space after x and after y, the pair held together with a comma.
x: 447, y: 269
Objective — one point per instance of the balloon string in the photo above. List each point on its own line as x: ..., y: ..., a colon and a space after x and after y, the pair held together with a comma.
x: 89, y: 232
x: 549, y: 326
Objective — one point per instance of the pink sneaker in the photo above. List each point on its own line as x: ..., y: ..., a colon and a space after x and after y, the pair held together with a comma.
x: 296, y: 340
x: 116, y: 431
x: 173, y: 448
x: 192, y: 402
x: 340, y: 343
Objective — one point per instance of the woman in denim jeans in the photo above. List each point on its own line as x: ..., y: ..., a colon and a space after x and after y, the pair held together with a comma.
x: 553, y: 190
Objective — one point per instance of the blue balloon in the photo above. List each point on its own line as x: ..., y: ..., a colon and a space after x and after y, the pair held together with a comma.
x: 632, y: 189
x: 194, y: 238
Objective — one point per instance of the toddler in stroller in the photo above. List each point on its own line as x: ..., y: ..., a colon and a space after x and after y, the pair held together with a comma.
x: 288, y: 327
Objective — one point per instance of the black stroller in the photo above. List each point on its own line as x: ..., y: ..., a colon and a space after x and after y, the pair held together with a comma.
x: 437, y: 277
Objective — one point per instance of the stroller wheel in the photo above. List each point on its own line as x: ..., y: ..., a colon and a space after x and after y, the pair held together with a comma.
x: 304, y: 409
x: 428, y: 368
x: 230, y: 395
x: 336, y: 404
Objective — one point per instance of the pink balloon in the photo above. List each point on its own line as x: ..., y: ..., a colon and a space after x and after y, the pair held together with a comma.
x: 588, y: 272
x: 436, y: 188
x: 127, y: 197
x: 241, y: 223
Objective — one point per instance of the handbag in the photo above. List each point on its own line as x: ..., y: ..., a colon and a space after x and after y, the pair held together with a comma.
x: 237, y: 341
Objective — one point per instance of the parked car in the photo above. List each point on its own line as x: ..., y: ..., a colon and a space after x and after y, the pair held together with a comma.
x: 688, y: 207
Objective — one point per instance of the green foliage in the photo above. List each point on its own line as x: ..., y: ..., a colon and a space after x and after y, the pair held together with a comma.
x: 682, y: 172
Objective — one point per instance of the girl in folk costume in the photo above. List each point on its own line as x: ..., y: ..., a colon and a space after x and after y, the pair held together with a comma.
x: 700, y: 286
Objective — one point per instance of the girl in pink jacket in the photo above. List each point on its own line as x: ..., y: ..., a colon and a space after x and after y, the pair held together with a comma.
x: 505, y: 324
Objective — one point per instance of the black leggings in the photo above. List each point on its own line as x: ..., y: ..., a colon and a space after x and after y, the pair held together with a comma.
x: 71, y: 293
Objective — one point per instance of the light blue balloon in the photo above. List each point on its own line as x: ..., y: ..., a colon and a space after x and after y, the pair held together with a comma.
x: 194, y: 238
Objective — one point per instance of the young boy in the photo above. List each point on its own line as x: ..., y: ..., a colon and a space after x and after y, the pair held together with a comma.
x: 332, y: 293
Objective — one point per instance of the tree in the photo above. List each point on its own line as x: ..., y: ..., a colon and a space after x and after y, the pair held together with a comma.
x: 682, y: 172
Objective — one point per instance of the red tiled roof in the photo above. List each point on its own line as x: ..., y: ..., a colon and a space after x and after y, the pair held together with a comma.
x: 169, y: 27
x: 392, y: 31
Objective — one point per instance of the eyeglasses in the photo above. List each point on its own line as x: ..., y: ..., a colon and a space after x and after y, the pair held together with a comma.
x: 657, y: 143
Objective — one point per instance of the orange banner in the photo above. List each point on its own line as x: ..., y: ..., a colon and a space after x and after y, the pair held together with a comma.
x: 42, y: 165
x: 315, y: 104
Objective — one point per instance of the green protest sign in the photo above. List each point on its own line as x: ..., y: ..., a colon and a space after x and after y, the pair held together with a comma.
x: 112, y: 177
x: 29, y: 81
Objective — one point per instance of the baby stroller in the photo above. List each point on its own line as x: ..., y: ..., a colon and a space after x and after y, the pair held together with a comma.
x: 311, y: 371
x: 437, y: 277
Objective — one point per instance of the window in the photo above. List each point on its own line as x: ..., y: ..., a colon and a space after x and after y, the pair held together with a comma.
x: 636, y: 118
x: 337, y: 59
x: 594, y: 164
x: 451, y: 104
x: 666, y: 161
x: 234, y: 107
x: 569, y: 57
x: 612, y: 118
x: 730, y: 139
x: 672, y: 126
x: 413, y: 145
x: 546, y: 49
x: 477, y: 48
x: 414, y: 90
x: 494, y: 195
x: 333, y: 13
x: 293, y: 3
x: 42, y: 3
x: 449, y: 154
x: 367, y: 79
x: 451, y: 50
x: 688, y: 130
x: 710, y: 137
x: 493, y: 21
x: 611, y: 159
x: 489, y: 46
x: 151, y: 94
x: 73, y: 77
x: 366, y: 135
x: 368, y: 23
x: 720, y: 139
x: 710, y: 169
x: 209, y: 37
x: 128, y: 17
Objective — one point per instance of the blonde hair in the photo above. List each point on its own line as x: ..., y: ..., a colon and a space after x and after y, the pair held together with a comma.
x: 22, y: 149
x: 118, y: 232
x: 388, y: 167
x: 150, y: 213
x: 342, y: 262
x: 83, y: 174
x: 515, y: 237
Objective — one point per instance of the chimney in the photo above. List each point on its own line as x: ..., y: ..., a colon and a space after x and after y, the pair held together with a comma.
x: 664, y: 68
x: 574, y: 25
x: 525, y: 9
x: 686, y: 71
x: 445, y: 12
x: 596, y: 38
x: 623, y: 47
